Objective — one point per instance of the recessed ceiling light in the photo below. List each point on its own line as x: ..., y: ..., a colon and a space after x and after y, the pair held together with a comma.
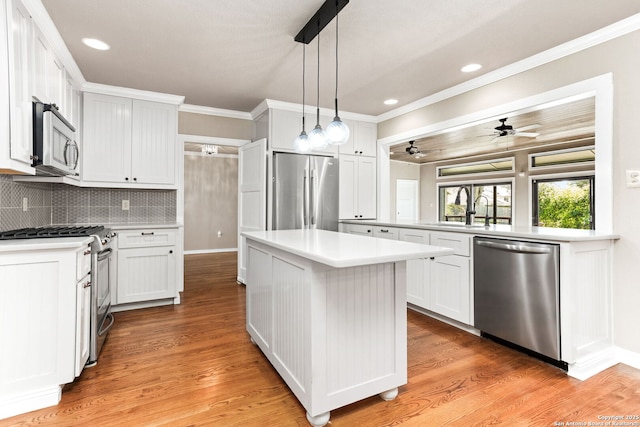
x: 96, y: 44
x: 470, y: 68
x: 390, y: 102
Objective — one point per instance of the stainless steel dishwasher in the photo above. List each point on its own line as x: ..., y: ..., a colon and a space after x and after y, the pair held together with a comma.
x: 517, y: 293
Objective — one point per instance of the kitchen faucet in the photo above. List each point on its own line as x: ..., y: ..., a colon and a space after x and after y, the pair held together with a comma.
x: 468, y: 215
x: 486, y: 212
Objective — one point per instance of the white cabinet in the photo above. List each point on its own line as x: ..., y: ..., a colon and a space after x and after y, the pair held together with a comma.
x: 146, y: 265
x: 38, y: 308
x: 128, y: 142
x: 357, y: 187
x: 418, y: 270
x: 362, y: 139
x: 360, y: 229
x: 83, y: 308
x: 16, y: 37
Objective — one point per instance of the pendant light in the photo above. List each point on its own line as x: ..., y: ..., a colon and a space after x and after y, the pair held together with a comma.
x: 337, y: 131
x: 317, y: 137
x: 301, y: 144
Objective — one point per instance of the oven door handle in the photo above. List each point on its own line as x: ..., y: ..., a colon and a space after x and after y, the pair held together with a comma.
x: 105, y: 329
x: 104, y: 254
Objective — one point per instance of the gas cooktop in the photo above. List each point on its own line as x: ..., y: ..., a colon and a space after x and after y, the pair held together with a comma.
x: 52, y: 231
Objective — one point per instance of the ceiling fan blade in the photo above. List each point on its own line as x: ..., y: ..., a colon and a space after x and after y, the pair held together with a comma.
x: 527, y: 134
x: 496, y: 139
x: 529, y: 127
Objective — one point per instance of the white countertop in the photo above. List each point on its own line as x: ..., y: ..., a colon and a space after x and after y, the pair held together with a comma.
x: 499, y: 230
x: 140, y: 226
x: 21, y: 245
x: 344, y: 250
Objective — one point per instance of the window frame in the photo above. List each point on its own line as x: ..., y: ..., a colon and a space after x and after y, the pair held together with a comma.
x: 512, y: 159
x: 591, y: 175
x: 532, y: 156
x: 475, y: 183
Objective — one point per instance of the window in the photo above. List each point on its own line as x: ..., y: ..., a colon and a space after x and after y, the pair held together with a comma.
x: 483, y: 167
x: 564, y: 202
x: 492, y: 199
x: 571, y: 157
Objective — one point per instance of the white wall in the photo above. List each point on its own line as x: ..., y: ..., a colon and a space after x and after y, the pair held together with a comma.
x: 619, y: 57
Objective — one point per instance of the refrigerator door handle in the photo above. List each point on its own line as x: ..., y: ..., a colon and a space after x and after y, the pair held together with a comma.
x: 305, y: 212
x: 312, y: 206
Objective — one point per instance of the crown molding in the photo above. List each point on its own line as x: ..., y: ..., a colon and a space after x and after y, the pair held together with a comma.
x: 290, y: 106
x: 618, y: 29
x: 210, y: 111
x: 132, y: 93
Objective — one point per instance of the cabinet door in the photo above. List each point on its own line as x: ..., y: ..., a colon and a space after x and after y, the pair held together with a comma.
x: 146, y: 274
x: 367, y: 136
x: 348, y: 187
x: 366, y: 194
x: 83, y: 319
x: 153, y: 144
x: 350, y: 146
x: 41, y: 55
x: 359, y: 229
x: 418, y: 270
x: 385, y: 233
x: 20, y: 87
x: 106, y: 142
x: 451, y: 288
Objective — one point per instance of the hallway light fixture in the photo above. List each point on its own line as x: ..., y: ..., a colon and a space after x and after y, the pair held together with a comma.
x: 209, y: 149
x: 301, y: 144
x: 337, y: 131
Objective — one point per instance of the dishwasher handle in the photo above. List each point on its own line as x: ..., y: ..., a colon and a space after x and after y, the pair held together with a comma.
x: 515, y: 247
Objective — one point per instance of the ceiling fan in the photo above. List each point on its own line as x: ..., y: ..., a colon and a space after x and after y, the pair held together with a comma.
x: 414, y: 151
x: 505, y: 130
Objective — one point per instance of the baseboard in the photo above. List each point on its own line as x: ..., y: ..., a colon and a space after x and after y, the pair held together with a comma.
x: 210, y: 251
x: 629, y: 358
x: 31, y: 401
x: 593, y: 364
x: 144, y: 304
x: 444, y: 319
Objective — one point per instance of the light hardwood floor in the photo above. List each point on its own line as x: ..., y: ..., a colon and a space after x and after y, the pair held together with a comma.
x: 193, y: 365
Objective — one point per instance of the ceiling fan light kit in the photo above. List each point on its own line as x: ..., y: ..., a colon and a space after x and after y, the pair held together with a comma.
x: 337, y: 132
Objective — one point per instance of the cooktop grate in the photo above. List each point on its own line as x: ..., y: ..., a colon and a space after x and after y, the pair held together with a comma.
x: 46, y: 232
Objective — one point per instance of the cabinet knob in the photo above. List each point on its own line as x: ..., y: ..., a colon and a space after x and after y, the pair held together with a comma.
x: 135, y: 179
x: 126, y: 178
x: 355, y: 152
x: 361, y: 152
x: 170, y: 252
x: 87, y: 252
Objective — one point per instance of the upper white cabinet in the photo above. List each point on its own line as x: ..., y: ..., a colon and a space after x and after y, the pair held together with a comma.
x: 362, y: 139
x: 128, y: 142
x: 16, y: 41
x: 357, y: 187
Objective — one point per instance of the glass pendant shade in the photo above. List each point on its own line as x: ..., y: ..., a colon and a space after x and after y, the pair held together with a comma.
x: 301, y: 144
x: 337, y: 132
x: 317, y: 138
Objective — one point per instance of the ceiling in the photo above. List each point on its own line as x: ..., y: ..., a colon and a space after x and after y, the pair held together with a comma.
x: 232, y: 54
x: 562, y: 124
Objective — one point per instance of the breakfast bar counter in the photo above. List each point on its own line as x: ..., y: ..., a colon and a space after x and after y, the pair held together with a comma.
x: 329, y: 311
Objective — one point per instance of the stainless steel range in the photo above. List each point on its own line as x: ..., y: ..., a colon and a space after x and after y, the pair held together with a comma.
x: 102, y: 273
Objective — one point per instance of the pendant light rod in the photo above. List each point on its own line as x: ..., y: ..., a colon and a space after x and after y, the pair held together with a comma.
x: 321, y: 19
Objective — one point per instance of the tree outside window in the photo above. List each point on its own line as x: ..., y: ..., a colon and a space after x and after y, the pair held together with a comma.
x: 564, y: 203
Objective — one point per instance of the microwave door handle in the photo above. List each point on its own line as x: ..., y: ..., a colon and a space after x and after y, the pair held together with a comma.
x: 64, y: 153
x: 75, y: 147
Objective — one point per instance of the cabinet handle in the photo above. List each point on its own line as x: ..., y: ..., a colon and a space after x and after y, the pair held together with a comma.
x: 432, y: 258
x: 126, y: 178
x: 135, y: 179
x: 170, y: 252
x: 368, y: 231
x: 86, y: 285
x: 360, y: 216
x: 361, y: 152
x: 87, y: 252
x: 384, y: 231
x: 355, y: 152
x: 148, y: 234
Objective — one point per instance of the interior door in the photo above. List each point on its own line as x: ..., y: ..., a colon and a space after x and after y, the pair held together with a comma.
x: 252, y: 196
x: 406, y: 200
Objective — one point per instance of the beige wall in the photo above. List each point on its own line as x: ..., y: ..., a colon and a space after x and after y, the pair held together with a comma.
x: 210, y: 202
x: 401, y: 170
x: 208, y: 125
x: 619, y: 57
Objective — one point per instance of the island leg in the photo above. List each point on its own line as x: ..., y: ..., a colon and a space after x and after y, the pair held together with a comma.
x: 389, y: 394
x: 319, y: 420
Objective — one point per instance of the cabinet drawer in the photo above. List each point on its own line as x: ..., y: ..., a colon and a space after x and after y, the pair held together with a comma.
x: 412, y: 235
x: 461, y: 243
x: 83, y: 262
x: 360, y: 229
x: 146, y: 238
x: 385, y: 233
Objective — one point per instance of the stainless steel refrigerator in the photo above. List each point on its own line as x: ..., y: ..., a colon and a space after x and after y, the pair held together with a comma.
x: 305, y: 192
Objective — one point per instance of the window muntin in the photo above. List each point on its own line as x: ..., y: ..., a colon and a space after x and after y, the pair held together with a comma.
x: 498, y: 195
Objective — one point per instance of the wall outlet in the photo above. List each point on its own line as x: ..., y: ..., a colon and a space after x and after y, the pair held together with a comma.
x: 25, y: 204
x: 125, y: 205
x: 219, y: 233
x: 633, y: 178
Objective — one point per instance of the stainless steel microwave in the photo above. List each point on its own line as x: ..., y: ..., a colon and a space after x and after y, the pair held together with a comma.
x: 55, y: 150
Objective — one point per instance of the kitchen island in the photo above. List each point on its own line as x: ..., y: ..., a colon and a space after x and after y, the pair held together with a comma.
x: 328, y: 310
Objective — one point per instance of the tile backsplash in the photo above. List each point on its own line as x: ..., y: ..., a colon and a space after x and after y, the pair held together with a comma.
x: 60, y: 204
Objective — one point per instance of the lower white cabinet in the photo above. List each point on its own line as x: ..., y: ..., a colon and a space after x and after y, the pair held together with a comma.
x: 451, y: 287
x: 146, y: 265
x: 389, y: 233
x: 83, y: 323
x: 360, y: 229
x: 40, y: 300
